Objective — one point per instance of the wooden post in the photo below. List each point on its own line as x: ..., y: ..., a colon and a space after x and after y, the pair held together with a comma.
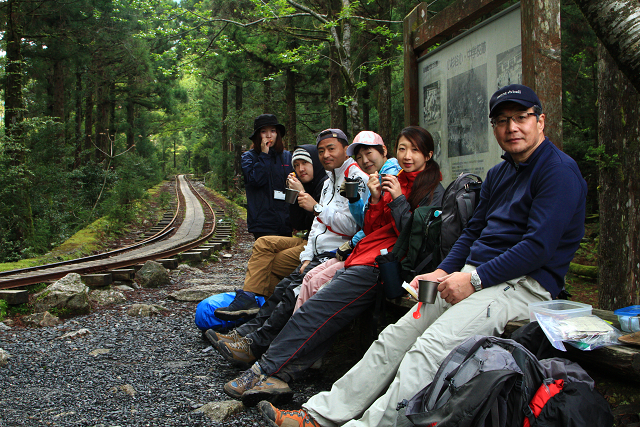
x: 411, y: 117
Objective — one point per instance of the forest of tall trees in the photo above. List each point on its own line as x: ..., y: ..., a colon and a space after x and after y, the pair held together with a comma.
x: 104, y: 98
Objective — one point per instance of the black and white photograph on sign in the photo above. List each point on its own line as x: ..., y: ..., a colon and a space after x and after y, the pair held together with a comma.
x: 509, y: 67
x: 437, y: 143
x: 432, y: 103
x: 467, y: 112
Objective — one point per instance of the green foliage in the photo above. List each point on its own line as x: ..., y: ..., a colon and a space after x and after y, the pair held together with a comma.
x: 602, y: 159
x: 222, y: 179
x: 20, y: 309
x: 3, y: 309
x: 132, y: 179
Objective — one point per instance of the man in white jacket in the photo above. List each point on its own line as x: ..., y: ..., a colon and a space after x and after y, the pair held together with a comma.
x: 332, y: 226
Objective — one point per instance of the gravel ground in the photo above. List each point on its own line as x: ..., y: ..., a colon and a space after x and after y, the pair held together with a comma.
x: 129, y: 371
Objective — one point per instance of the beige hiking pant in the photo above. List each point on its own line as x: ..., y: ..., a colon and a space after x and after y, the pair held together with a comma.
x: 272, y: 259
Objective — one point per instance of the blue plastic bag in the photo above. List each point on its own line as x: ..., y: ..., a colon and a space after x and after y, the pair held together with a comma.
x: 205, y: 319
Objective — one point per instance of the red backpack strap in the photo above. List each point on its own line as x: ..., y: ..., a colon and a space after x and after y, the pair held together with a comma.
x: 548, y: 389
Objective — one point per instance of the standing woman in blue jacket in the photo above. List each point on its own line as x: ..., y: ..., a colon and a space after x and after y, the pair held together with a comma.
x: 265, y: 168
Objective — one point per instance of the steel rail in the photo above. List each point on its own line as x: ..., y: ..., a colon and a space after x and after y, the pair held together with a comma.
x: 151, y: 239
x: 44, y: 276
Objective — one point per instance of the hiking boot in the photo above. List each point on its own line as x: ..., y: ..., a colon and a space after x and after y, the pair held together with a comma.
x: 249, y: 378
x: 216, y: 338
x: 268, y: 388
x: 243, y: 305
x: 278, y: 418
x: 238, y: 353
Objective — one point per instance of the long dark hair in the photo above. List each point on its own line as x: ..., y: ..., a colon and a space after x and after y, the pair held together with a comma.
x: 278, y: 146
x: 426, y: 182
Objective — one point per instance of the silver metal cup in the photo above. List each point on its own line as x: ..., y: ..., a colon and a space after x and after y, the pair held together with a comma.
x: 427, y: 291
x: 351, y: 189
x: 290, y: 195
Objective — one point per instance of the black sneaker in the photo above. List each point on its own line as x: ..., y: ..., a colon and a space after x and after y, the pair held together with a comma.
x: 243, y: 305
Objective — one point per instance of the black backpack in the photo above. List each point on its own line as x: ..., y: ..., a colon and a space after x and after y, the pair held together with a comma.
x: 418, y: 245
x: 458, y: 203
x: 485, y: 381
x: 429, y: 235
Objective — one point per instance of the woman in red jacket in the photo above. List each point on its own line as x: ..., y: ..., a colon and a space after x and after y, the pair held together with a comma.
x: 306, y: 335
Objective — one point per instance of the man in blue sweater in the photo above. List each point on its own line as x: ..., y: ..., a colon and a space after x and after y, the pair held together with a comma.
x: 515, y: 250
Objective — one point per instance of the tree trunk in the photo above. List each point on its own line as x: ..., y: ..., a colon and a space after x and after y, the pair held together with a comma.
x: 112, y: 113
x: 78, y: 129
x: 337, y: 111
x: 353, y: 106
x: 23, y: 230
x: 384, y: 88
x: 238, y: 144
x: 102, y: 119
x: 617, y: 25
x: 58, y: 98
x: 14, y: 108
x: 226, y: 145
x: 290, y: 99
x: 267, y: 105
x: 366, y: 107
x: 89, y: 139
x: 131, y: 114
x: 384, y: 109
x: 619, y: 135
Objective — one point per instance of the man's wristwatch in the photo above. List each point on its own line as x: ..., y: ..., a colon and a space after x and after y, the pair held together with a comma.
x: 317, y: 209
x: 475, y: 281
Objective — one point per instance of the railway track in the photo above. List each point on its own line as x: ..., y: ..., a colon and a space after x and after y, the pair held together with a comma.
x: 168, y: 242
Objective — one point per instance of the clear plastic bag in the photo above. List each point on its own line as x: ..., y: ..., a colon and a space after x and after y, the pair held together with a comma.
x: 584, y: 332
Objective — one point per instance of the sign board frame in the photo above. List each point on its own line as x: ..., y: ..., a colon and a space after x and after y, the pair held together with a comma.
x: 540, y: 50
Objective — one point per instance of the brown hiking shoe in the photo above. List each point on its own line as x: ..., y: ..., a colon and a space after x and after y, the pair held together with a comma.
x: 216, y: 338
x: 279, y: 418
x: 238, y: 353
x: 268, y: 388
x: 249, y: 378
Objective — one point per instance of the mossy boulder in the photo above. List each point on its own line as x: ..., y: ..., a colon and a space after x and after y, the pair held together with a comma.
x: 153, y: 275
x: 68, y: 294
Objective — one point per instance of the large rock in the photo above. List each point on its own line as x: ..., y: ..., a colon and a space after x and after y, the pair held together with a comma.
x: 197, y: 293
x: 67, y: 293
x: 144, y: 310
x: 40, y: 319
x: 220, y: 411
x: 153, y: 275
x: 107, y: 296
x: 4, y: 357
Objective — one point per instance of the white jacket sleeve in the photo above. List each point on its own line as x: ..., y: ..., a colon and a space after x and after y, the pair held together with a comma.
x: 336, y: 214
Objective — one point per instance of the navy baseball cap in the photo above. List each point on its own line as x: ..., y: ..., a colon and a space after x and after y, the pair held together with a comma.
x: 332, y: 133
x: 520, y: 94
